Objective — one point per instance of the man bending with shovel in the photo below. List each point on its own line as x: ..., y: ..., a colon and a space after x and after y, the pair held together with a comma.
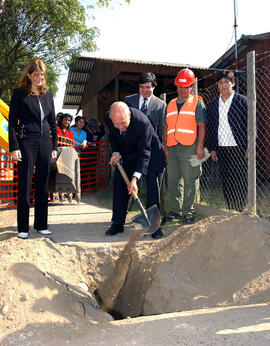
x: 135, y: 142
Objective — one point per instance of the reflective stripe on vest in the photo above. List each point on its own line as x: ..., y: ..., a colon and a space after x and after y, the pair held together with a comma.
x: 171, y: 131
x: 172, y: 113
x: 182, y: 127
x: 185, y: 131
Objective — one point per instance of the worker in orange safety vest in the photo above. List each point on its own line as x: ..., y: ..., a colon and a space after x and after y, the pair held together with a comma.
x: 183, y: 136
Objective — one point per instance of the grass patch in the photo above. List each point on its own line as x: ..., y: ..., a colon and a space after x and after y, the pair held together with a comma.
x: 105, y: 198
x: 212, y: 197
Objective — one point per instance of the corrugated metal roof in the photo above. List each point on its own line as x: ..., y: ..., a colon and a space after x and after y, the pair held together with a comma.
x: 79, y: 74
x: 144, y: 62
x: 77, y: 78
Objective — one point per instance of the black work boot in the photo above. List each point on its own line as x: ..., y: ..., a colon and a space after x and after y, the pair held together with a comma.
x: 188, y: 219
x: 114, y: 229
x: 172, y: 216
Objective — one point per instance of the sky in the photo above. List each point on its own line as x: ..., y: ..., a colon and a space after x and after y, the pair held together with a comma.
x: 195, y: 32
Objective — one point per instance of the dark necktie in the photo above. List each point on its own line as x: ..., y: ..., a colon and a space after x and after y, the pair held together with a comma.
x: 144, y: 106
x: 123, y: 133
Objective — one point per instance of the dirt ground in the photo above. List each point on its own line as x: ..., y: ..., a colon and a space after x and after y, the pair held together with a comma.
x: 208, y: 283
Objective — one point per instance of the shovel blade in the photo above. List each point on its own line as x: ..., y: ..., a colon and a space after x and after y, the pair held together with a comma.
x: 153, y: 215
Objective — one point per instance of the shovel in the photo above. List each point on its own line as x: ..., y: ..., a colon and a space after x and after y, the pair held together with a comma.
x: 149, y: 219
x: 149, y: 222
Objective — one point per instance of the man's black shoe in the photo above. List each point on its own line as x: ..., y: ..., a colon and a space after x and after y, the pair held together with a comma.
x: 158, y: 234
x: 114, y: 229
x: 188, y: 219
x: 172, y: 216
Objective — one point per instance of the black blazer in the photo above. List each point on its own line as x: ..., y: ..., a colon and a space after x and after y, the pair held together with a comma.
x: 139, y: 144
x: 237, y: 118
x: 25, y: 109
x: 156, y: 111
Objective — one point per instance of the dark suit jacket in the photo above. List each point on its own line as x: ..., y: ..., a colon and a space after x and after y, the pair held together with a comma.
x: 26, y: 110
x: 237, y: 117
x: 156, y: 111
x: 139, y: 145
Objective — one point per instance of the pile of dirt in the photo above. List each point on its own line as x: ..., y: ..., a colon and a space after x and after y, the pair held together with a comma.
x: 46, y: 287
x: 222, y: 260
x: 41, y: 284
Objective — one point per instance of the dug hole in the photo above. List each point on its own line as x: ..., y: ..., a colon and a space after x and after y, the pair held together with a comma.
x: 206, y: 283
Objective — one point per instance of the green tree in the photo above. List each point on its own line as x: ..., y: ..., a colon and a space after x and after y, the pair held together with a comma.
x: 52, y: 30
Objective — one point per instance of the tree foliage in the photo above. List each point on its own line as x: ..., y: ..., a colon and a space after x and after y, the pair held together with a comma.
x: 52, y: 30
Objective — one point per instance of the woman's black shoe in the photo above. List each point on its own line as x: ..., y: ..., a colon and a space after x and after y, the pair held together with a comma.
x: 114, y: 229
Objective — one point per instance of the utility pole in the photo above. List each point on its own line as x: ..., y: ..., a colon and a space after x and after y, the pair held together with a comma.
x: 235, y: 36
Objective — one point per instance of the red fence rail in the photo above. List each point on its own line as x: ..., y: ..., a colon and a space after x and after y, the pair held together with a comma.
x: 93, y: 170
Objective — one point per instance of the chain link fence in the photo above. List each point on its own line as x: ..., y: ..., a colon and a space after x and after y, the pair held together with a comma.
x: 238, y: 175
x: 238, y: 179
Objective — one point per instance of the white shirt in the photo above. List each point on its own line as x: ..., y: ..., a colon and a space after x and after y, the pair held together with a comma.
x: 42, y: 115
x: 141, y: 101
x: 225, y: 135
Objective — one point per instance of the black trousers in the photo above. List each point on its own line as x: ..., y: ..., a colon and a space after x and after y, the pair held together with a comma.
x: 36, y: 151
x: 121, y: 196
x: 233, y: 172
x: 152, y: 189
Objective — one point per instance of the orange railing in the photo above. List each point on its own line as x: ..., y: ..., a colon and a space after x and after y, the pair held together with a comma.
x: 94, y: 166
x: 93, y: 170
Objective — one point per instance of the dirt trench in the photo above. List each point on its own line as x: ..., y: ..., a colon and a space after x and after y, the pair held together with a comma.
x: 46, y: 285
x: 222, y: 260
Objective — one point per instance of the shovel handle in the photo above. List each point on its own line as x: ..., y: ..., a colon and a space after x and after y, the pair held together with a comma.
x: 134, y: 194
x: 125, y: 177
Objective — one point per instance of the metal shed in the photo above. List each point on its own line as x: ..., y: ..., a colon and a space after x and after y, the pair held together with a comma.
x: 94, y: 83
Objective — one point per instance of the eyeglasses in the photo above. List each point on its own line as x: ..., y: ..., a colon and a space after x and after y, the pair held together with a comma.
x: 149, y: 87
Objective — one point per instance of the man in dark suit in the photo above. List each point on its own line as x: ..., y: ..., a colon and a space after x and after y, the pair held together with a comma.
x: 227, y: 139
x: 153, y: 107
x: 132, y: 139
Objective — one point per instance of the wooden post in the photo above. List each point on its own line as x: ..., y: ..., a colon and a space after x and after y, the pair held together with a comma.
x: 116, y: 89
x: 251, y: 96
x: 163, y: 97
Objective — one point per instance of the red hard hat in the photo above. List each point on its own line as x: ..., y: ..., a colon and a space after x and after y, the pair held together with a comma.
x: 185, y: 78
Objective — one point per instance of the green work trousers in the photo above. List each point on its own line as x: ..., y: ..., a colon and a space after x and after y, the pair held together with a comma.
x: 182, y: 179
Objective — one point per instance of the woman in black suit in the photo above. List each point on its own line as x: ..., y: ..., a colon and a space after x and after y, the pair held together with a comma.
x: 32, y: 142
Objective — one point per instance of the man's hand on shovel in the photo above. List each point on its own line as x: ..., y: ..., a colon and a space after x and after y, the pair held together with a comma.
x: 115, y: 159
x: 133, y: 187
x: 150, y: 218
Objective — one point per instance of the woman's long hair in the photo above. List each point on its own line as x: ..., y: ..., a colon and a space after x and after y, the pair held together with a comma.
x: 25, y: 82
